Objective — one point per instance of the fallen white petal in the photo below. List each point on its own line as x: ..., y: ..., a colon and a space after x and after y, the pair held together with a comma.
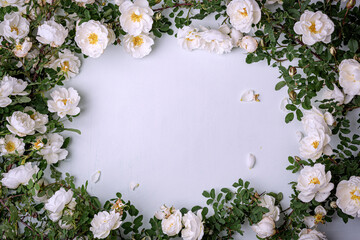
x: 283, y: 104
x: 134, y: 185
x: 96, y: 176
x: 248, y: 96
x: 299, y: 135
x: 251, y: 161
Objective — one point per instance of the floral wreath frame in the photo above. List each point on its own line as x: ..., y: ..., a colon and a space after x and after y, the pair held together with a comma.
x: 39, y: 39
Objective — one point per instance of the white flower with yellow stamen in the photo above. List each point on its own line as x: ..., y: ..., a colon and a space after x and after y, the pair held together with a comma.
x: 243, y: 13
x: 138, y: 46
x: 189, y: 38
x: 40, y: 119
x: 11, y: 145
x: 136, y: 18
x: 22, y: 49
x: 64, y: 102
x: 171, y: 225
x: 14, y: 26
x: 104, y: 222
x: 92, y: 37
x: 314, y: 27
x: 68, y: 63
x: 52, y: 33
x: 313, y: 182
x: 216, y: 40
x: 315, y: 144
x: 312, y: 221
x: 348, y: 194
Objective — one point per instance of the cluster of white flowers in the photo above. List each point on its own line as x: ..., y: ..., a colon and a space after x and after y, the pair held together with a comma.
x: 266, y: 227
x: 62, y: 202
x: 313, y: 182
x: 317, y: 139
x: 136, y: 20
x: 172, y: 222
x: 10, y: 86
x: 219, y: 41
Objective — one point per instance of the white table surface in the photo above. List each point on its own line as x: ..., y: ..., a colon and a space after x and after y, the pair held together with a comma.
x: 174, y: 123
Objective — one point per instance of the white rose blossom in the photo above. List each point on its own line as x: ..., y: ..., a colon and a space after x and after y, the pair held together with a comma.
x: 138, y: 46
x: 136, y: 17
x: 349, y: 76
x: 314, y: 27
x: 313, y: 182
x: 164, y: 212
x: 312, y: 221
x: 308, y: 234
x: 56, y: 204
x: 243, y: 13
x: 52, y: 151
x: 265, y: 228
x: 337, y: 95
x: 216, y: 41
x: 348, y: 196
x: 64, y: 102
x: 268, y: 202
x: 52, y: 33
x: 68, y: 63
x: 22, y: 49
x: 11, y: 145
x: 315, y: 119
x: 19, y: 175
x: 315, y: 144
x: 172, y: 225
x: 189, y: 38
x: 21, y: 124
x: 6, y: 88
x: 193, y: 226
x: 104, y: 222
x: 18, y: 85
x: 92, y: 37
x: 249, y: 44
x: 14, y: 26
x: 40, y: 119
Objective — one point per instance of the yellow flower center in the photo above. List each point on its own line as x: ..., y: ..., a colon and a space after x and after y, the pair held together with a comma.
x: 137, y: 41
x: 10, y: 147
x: 243, y: 13
x: 18, y: 47
x: 315, y: 144
x: 32, y: 116
x: 136, y: 18
x: 355, y: 194
x: 64, y: 101
x: 93, y: 38
x: 37, y: 145
x: 65, y: 66
x: 319, y: 218
x: 14, y: 28
x: 312, y: 28
x: 314, y: 180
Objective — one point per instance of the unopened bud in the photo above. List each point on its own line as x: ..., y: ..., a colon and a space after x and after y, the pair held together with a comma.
x: 350, y: 4
x: 292, y: 96
x: 333, y: 204
x: 158, y: 16
x: 357, y: 58
x: 292, y: 71
x: 297, y: 158
x: 333, y: 51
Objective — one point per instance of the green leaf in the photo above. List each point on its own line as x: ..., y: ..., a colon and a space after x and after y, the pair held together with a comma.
x: 353, y: 45
x: 280, y: 85
x: 289, y: 117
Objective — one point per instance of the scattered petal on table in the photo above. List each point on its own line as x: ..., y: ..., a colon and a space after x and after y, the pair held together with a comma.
x: 250, y: 160
x: 134, y: 185
x: 96, y: 176
x: 249, y: 96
